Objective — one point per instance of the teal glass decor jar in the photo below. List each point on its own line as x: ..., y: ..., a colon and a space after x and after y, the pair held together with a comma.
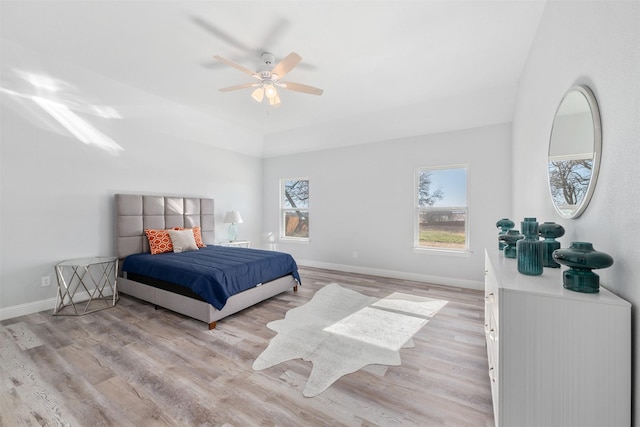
x: 581, y: 258
x: 509, y: 240
x: 529, y: 249
x: 549, y: 231
x: 505, y: 224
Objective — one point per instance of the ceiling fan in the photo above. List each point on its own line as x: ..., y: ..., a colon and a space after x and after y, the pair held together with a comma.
x: 270, y: 78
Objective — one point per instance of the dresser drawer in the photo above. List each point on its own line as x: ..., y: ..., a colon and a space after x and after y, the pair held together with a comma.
x: 491, y: 326
x: 491, y: 302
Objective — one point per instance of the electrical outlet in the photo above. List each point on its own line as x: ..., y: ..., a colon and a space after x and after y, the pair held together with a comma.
x: 355, y: 254
x: 46, y: 281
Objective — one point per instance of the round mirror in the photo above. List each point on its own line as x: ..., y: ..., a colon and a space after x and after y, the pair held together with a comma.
x: 574, y: 152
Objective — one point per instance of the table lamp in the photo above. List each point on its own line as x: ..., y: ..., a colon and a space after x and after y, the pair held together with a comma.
x: 232, y: 218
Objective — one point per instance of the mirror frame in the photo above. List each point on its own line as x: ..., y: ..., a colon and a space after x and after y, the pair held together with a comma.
x: 597, y: 149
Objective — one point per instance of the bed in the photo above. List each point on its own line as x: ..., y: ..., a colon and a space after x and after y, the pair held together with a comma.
x: 155, y: 284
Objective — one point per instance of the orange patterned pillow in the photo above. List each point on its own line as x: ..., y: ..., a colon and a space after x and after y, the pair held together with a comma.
x: 197, y: 233
x: 159, y: 241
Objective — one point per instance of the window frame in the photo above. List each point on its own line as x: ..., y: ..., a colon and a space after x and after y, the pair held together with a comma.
x: 283, y: 209
x: 466, y: 251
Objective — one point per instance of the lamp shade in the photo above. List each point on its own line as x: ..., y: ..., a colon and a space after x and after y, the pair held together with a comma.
x: 275, y: 101
x: 232, y: 217
x: 258, y: 94
x: 270, y: 91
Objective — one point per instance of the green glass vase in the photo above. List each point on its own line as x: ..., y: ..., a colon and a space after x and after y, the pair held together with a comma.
x: 509, y: 240
x: 529, y: 249
x: 549, y: 231
x: 504, y: 224
x: 581, y: 258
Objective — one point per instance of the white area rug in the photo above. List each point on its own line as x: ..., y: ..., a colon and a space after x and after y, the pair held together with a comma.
x: 341, y: 331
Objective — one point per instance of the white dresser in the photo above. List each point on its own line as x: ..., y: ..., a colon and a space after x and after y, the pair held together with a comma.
x: 556, y: 357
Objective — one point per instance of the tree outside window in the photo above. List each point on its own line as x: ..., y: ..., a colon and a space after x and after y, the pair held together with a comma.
x: 294, y: 208
x: 569, y: 181
x: 441, y: 208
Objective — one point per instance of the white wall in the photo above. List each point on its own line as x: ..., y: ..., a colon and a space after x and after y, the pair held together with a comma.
x: 455, y: 111
x: 57, y: 192
x: 361, y: 199
x: 597, y: 43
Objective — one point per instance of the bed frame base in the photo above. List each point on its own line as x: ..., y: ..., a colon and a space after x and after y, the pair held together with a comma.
x: 202, y: 310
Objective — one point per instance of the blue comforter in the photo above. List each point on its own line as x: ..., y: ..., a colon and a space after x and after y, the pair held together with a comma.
x: 215, y: 273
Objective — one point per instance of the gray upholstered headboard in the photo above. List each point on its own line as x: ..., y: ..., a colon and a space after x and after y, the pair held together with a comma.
x: 134, y: 213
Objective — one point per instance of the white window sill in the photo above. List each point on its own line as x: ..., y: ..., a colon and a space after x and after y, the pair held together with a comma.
x: 444, y: 252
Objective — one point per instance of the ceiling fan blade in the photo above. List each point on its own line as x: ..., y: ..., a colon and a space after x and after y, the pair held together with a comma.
x: 237, y: 66
x: 220, y: 34
x: 275, y: 34
x: 237, y: 87
x: 299, y: 87
x: 286, y: 65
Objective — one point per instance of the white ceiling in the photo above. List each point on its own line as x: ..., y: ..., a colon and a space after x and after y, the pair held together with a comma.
x: 388, y: 68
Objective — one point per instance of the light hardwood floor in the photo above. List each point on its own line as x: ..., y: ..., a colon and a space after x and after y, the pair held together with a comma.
x: 132, y: 365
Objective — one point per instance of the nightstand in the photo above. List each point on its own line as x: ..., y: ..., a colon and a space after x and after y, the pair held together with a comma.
x: 96, y: 276
x: 236, y: 243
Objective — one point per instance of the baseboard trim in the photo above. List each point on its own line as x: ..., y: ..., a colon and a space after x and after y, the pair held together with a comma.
x: 27, y: 308
x: 35, y: 306
x: 49, y: 303
x: 436, y: 280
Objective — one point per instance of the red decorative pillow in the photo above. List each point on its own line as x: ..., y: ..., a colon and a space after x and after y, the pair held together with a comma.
x: 159, y: 241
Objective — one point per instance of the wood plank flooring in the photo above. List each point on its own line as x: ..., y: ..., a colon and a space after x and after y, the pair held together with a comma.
x: 132, y: 365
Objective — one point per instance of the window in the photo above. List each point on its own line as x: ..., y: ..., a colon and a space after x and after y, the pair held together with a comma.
x: 441, y: 208
x: 294, y: 208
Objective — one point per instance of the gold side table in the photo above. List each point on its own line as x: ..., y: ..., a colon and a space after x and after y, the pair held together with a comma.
x: 94, y: 277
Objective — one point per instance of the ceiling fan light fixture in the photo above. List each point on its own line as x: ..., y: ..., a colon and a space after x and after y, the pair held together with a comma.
x: 270, y: 91
x: 275, y: 101
x: 258, y: 94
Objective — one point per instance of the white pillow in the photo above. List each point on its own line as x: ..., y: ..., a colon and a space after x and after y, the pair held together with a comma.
x: 183, y: 240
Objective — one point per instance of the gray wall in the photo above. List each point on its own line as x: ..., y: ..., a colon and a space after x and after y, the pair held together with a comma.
x: 362, y: 199
x: 597, y: 43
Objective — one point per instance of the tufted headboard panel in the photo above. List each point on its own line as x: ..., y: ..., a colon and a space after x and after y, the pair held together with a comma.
x: 135, y: 213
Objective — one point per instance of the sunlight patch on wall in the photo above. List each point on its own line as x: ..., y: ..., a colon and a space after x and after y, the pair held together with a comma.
x: 78, y: 127
x: 62, y: 111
